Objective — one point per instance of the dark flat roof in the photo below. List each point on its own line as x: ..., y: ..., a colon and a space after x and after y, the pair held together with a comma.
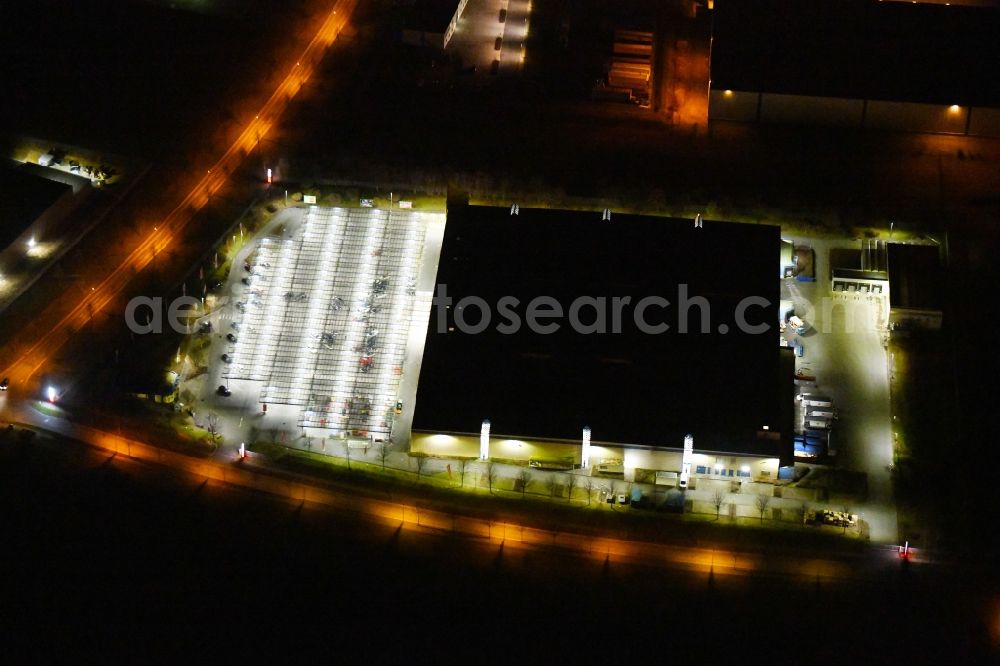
x: 430, y: 15
x: 916, y: 278
x: 630, y: 388
x: 860, y: 49
x: 23, y: 197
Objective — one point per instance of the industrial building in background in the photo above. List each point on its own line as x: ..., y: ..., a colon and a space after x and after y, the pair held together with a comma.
x: 915, y: 67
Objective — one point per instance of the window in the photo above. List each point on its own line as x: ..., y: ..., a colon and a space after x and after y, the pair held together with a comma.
x: 700, y: 469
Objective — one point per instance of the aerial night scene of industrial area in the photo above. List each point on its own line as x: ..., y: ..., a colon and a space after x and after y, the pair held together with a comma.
x: 499, y: 331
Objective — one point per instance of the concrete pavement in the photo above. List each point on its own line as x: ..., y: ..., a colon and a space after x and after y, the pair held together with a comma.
x: 844, y: 351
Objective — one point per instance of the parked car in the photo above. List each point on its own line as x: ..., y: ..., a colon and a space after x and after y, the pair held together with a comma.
x: 224, y: 391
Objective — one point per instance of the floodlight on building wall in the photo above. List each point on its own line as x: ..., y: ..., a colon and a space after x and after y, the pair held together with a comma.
x: 484, y: 440
x: 686, y: 459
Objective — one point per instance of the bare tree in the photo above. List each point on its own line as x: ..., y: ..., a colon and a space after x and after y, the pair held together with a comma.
x: 571, y: 483
x: 588, y: 483
x: 421, y: 462
x: 383, y: 452
x: 347, y: 453
x: 462, y: 462
x: 492, y: 474
x: 212, y: 425
x: 523, y: 476
x: 551, y: 485
x: 717, y: 499
x: 762, y: 502
x: 847, y: 513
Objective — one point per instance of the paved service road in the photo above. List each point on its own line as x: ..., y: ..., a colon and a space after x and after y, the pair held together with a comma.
x: 844, y: 351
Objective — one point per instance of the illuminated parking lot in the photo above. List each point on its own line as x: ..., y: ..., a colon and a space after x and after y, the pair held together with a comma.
x: 325, y: 320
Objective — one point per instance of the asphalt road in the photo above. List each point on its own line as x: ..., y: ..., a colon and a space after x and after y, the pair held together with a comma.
x: 501, y: 527
x: 165, y: 560
x: 52, y: 327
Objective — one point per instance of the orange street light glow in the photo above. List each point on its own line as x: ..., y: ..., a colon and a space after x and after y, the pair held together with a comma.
x: 32, y: 359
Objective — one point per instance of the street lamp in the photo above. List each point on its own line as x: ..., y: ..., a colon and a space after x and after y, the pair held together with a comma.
x: 51, y: 394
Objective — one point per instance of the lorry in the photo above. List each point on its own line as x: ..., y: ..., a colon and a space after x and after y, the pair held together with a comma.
x: 805, y: 449
x: 804, y: 377
x: 815, y: 400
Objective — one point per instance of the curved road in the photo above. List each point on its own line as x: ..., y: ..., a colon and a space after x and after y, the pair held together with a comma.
x: 505, y: 531
x: 57, y: 323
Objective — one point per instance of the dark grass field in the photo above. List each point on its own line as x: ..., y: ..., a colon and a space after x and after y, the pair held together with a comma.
x: 136, y: 78
x: 106, y: 559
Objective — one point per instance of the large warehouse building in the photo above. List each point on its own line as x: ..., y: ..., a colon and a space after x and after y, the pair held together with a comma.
x: 857, y: 63
x: 637, y: 391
